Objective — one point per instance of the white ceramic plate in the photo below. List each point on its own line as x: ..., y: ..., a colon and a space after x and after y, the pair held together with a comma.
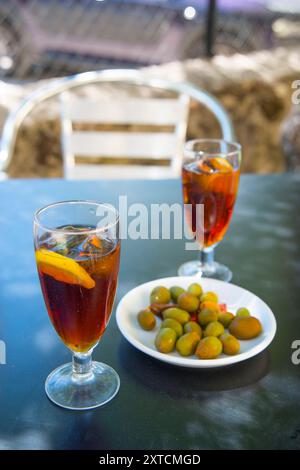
x: 234, y: 296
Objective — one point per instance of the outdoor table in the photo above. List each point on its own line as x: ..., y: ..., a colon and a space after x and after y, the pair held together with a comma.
x: 251, y: 405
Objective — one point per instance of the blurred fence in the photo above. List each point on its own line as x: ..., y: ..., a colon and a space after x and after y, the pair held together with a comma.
x: 42, y: 38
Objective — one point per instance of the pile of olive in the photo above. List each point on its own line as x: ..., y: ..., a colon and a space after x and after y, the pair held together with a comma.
x: 193, y: 322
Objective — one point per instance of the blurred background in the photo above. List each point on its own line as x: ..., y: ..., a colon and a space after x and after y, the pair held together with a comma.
x: 246, y: 53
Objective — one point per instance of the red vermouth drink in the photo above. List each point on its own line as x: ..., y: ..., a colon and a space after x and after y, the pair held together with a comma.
x: 213, y: 183
x: 79, y: 291
x: 210, y: 176
x: 78, y: 265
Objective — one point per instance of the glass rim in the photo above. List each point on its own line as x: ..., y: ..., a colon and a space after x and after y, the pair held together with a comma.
x: 38, y: 212
x: 189, y: 151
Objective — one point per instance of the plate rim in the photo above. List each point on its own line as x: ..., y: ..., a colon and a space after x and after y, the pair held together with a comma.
x: 188, y: 362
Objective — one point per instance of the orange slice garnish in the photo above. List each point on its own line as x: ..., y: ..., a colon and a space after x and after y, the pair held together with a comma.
x: 221, y: 164
x: 62, y: 268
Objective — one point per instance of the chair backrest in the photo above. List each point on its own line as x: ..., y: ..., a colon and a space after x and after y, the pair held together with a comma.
x: 152, y: 150
x: 125, y: 76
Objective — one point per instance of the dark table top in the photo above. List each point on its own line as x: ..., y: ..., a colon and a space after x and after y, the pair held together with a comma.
x: 255, y: 404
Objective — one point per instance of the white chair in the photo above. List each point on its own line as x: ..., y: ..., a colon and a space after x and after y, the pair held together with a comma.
x: 115, y: 153
x: 158, y: 146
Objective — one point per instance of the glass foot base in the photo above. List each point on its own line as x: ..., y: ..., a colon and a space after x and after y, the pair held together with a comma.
x: 82, y: 391
x: 212, y: 270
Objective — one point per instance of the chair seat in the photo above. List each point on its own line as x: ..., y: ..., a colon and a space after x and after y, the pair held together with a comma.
x: 120, y: 172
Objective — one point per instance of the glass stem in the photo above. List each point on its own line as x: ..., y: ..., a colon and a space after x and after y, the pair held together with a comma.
x: 207, y: 256
x: 82, y: 364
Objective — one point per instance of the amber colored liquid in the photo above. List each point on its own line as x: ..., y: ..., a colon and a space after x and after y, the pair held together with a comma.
x: 217, y: 191
x: 81, y: 315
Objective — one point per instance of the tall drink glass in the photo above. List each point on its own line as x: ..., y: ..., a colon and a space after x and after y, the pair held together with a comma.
x: 210, y: 176
x: 77, y: 252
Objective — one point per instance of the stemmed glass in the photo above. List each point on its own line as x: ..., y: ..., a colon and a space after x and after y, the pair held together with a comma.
x: 77, y: 250
x: 210, y: 176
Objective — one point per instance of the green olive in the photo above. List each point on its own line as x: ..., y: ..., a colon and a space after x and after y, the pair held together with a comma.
x: 231, y: 345
x: 146, y: 319
x: 225, y: 318
x: 191, y: 326
x: 207, y: 315
x: 209, y: 348
x: 243, y: 312
x: 176, y: 291
x: 177, y: 314
x: 245, y: 327
x: 214, y: 328
x: 160, y: 295
x: 171, y: 323
x: 188, y: 302
x: 195, y: 289
x: 209, y: 296
x: 165, y: 340
x: 187, y: 343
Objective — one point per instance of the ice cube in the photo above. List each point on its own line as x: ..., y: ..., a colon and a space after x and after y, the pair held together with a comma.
x: 91, y: 245
x: 204, y: 166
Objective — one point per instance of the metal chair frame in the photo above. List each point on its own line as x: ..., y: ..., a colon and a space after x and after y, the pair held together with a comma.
x: 125, y: 76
